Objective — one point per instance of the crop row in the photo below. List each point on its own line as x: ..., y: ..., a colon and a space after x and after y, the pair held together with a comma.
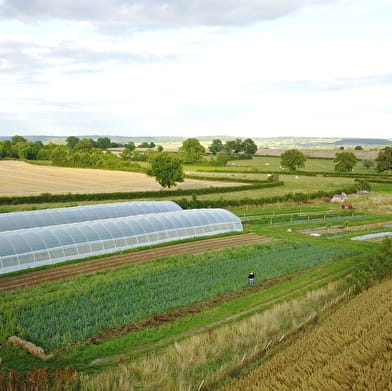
x: 69, y: 311
x: 352, y: 350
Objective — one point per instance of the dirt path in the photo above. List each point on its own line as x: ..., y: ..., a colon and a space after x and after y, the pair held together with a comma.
x: 210, y: 326
x: 92, y: 266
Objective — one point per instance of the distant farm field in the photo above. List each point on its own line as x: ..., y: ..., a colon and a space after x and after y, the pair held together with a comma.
x: 20, y: 178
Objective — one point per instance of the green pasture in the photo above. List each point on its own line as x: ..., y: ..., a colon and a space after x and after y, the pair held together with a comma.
x: 304, y: 184
x: 272, y: 164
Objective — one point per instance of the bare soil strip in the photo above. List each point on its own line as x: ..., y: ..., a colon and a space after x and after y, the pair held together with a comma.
x: 92, y: 266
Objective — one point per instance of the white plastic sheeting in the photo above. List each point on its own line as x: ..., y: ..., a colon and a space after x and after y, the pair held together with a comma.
x: 26, y: 248
x: 372, y: 236
x: 46, y: 217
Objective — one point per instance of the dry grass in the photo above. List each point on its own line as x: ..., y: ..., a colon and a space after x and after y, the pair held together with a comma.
x: 351, y: 350
x: 209, y: 357
x: 373, y: 203
x: 20, y: 178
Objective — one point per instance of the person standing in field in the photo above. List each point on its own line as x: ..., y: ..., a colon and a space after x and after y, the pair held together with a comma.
x: 251, y: 278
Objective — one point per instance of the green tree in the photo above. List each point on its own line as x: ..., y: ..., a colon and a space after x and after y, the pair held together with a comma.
x: 345, y: 161
x: 222, y: 159
x: 233, y: 146
x: 292, y: 159
x: 27, y: 150
x: 103, y: 143
x: 126, y: 154
x: 18, y: 139
x: 166, y: 168
x: 5, y: 149
x: 384, y: 160
x: 191, y: 151
x: 146, y: 144
x: 368, y: 163
x: 130, y: 146
x: 84, y: 145
x: 72, y: 141
x: 358, y: 148
x: 45, y: 152
x: 249, y: 146
x: 216, y: 146
x: 60, y: 155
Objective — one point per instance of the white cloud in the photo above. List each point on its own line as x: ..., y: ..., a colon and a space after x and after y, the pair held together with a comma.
x: 318, y: 70
x: 157, y: 12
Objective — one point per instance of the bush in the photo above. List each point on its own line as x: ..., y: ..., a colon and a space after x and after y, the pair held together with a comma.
x: 375, y: 267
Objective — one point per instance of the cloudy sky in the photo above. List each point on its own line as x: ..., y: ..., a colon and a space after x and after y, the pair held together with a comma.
x: 254, y: 68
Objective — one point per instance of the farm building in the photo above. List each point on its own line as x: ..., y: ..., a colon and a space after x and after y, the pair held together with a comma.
x: 58, y: 242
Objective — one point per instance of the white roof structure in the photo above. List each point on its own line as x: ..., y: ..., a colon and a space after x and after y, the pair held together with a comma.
x: 43, y: 245
x: 47, y: 217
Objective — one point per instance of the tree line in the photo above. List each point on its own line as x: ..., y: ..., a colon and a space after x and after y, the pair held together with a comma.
x: 293, y: 159
x: 166, y: 167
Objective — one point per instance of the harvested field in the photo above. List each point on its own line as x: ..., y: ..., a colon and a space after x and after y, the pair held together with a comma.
x: 89, y: 267
x: 20, y: 178
x: 351, y: 350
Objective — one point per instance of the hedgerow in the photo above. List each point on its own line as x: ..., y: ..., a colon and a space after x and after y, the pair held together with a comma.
x: 48, y: 197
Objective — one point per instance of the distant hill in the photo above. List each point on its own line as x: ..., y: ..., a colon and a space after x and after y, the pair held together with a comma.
x: 362, y: 141
x: 262, y: 142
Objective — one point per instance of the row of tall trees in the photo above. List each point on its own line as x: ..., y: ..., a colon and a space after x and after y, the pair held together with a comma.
x: 238, y: 146
x: 293, y: 159
x: 104, y: 143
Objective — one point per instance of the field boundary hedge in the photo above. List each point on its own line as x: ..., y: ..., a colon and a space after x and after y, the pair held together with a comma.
x: 48, y: 197
x: 226, y: 179
x: 253, y: 170
x: 297, y: 197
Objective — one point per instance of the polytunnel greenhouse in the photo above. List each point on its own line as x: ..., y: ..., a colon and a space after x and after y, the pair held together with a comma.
x: 32, y: 247
x: 46, y: 217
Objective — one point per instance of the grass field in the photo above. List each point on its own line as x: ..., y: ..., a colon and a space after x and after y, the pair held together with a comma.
x: 272, y: 163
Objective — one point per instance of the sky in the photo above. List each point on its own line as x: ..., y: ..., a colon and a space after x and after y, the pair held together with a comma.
x: 249, y: 68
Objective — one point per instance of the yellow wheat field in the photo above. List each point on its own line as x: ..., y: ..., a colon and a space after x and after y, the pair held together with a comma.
x: 20, y: 178
x: 351, y: 350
